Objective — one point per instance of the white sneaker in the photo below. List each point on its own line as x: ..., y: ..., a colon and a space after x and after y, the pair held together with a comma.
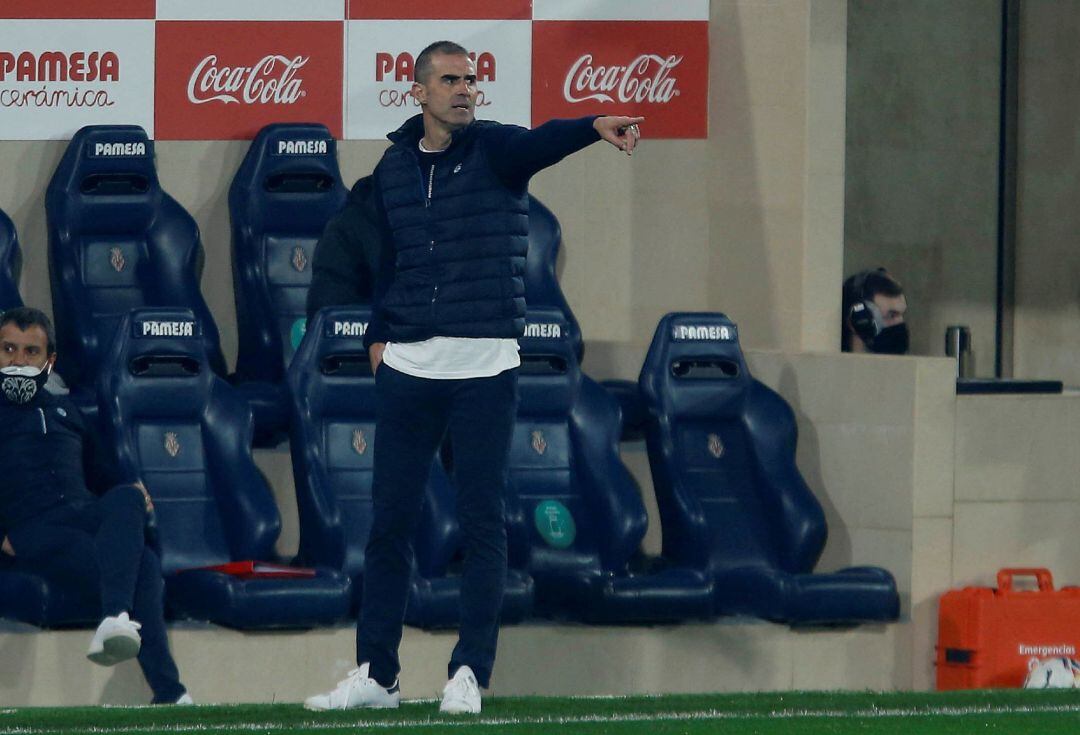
x: 461, y: 695
x: 185, y: 698
x: 356, y: 690
x: 116, y: 639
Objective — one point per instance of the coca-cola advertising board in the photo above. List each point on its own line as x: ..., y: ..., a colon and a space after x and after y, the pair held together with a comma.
x: 226, y: 79
x: 659, y: 69
x: 380, y: 70
x: 57, y: 76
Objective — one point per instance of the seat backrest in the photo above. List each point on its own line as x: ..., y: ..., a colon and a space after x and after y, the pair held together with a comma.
x: 285, y: 191
x: 332, y: 438
x: 172, y: 422
x: 722, y: 450
x: 117, y: 242
x: 10, y: 264
x: 583, y: 507
x: 542, y: 290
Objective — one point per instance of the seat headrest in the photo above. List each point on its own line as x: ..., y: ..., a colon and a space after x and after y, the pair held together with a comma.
x: 158, y: 342
x: 694, y: 352
x: 334, y: 344
x: 107, y: 160
x: 549, y: 377
x: 288, y: 158
x: 547, y: 335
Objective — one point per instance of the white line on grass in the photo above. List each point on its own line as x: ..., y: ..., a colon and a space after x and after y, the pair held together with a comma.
x: 710, y: 714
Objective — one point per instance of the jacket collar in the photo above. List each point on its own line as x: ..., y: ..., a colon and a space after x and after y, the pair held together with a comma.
x: 412, y: 130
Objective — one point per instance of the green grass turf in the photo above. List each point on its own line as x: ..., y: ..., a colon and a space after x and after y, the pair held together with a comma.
x: 791, y: 713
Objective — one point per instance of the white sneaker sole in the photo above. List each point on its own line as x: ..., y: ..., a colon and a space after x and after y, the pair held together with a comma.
x: 457, y: 708
x: 114, y: 650
x: 313, y: 707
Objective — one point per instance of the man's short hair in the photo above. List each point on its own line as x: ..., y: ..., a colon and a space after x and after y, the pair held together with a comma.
x: 422, y: 67
x: 25, y: 317
x: 864, y: 286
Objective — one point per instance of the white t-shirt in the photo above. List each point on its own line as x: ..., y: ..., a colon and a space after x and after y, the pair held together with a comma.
x: 453, y: 358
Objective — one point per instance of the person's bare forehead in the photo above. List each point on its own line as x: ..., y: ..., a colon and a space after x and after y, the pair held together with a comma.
x: 32, y: 336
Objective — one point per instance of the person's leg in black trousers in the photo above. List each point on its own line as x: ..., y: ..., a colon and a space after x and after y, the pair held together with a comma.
x: 410, y: 423
x: 481, y: 425
x: 97, y: 552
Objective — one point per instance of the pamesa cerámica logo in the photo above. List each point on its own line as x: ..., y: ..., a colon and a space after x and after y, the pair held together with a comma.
x: 391, y: 68
x: 64, y: 79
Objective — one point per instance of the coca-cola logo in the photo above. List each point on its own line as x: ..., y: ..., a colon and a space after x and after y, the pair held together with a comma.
x: 645, y: 79
x: 271, y: 80
x: 50, y: 67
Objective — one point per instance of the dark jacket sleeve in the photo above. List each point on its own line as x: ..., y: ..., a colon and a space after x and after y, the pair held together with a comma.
x: 99, y: 471
x: 516, y: 153
x: 346, y: 256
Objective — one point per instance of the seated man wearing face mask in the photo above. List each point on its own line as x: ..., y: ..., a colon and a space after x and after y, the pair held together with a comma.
x: 873, y: 314
x: 52, y: 525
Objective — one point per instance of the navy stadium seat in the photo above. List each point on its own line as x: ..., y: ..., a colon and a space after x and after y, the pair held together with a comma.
x: 186, y: 433
x: 542, y: 290
x: 584, y: 511
x: 116, y: 242
x: 332, y: 435
x: 285, y: 191
x: 732, y: 501
x: 10, y: 264
x: 28, y: 598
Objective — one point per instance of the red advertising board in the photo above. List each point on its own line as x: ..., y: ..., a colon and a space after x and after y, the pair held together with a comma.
x: 659, y: 69
x: 427, y: 10
x: 40, y: 9
x: 227, y: 79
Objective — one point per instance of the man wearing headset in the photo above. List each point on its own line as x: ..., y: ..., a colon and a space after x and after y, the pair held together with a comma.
x: 873, y: 314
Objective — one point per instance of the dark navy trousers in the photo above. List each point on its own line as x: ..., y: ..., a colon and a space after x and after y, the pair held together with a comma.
x: 96, y: 549
x: 412, y: 417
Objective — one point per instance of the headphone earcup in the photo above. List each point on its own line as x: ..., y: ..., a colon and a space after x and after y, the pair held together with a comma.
x: 864, y: 321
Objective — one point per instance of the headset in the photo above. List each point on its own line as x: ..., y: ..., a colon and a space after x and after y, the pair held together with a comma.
x: 865, y: 317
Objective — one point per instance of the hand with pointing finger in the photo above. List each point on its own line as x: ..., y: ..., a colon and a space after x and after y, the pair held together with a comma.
x: 621, y: 131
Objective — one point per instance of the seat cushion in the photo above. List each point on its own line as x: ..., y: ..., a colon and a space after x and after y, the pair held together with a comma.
x: 259, y: 603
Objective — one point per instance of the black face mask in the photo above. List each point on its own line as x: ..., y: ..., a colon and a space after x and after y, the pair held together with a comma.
x: 891, y: 340
x: 19, y: 385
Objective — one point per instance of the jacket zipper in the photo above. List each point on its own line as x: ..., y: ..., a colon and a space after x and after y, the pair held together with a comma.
x: 427, y: 204
x: 44, y: 427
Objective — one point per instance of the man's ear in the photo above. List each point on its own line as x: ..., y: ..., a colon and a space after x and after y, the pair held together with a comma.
x: 51, y: 362
x: 419, y: 93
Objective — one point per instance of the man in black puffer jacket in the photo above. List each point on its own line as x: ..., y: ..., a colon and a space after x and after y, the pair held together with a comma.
x: 94, y: 546
x: 451, y: 199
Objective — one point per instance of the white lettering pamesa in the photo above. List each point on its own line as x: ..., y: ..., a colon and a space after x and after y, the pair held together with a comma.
x: 131, y: 148
x: 705, y: 331
x: 548, y: 330
x: 270, y: 80
x: 301, y: 147
x: 168, y: 329
x: 1059, y: 649
x: 645, y: 79
x: 350, y: 329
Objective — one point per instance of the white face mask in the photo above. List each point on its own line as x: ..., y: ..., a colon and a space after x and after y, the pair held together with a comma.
x: 20, y: 384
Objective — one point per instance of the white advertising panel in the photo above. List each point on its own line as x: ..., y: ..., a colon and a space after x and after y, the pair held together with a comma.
x: 250, y: 10
x: 59, y: 75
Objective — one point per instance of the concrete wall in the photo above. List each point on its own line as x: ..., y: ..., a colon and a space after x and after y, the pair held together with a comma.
x: 1047, y: 315
x: 922, y: 158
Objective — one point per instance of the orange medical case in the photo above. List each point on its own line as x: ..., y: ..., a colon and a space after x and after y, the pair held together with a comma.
x: 987, y: 637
